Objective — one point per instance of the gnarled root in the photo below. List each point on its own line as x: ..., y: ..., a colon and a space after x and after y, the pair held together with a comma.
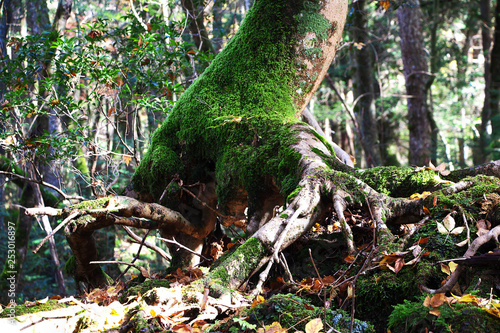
x: 493, y: 234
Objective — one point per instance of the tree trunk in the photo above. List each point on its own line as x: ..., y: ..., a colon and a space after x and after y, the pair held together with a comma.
x: 194, y: 10
x: 232, y: 150
x: 363, y: 84
x: 417, y: 80
x: 484, y: 6
x: 495, y: 85
x: 37, y: 16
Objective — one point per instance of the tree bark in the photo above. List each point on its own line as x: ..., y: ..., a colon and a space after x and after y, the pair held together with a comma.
x: 495, y: 84
x: 194, y: 10
x: 417, y: 80
x: 484, y: 6
x: 233, y: 143
x: 363, y: 84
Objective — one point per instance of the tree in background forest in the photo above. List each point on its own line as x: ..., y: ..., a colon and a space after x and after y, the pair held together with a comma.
x: 231, y: 149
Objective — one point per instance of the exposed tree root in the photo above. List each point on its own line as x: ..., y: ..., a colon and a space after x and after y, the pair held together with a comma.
x: 493, y: 234
x: 320, y: 190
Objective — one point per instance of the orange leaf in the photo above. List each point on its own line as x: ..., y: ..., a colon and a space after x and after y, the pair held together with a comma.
x: 438, y: 300
x: 349, y: 259
x: 422, y: 240
x: 426, y: 211
x: 191, y: 52
x: 127, y: 159
x: 386, y: 4
x: 110, y: 111
x: 436, y: 312
x: 434, y: 201
x: 257, y: 300
x: 427, y: 301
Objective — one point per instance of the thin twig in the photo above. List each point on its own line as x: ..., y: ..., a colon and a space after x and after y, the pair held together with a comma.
x: 176, y: 243
x: 314, y: 265
x: 153, y: 247
x: 135, y: 258
x: 41, y: 182
x: 56, y: 229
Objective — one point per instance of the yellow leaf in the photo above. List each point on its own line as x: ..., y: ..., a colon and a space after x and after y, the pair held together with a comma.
x: 468, y: 299
x: 54, y: 101
x: 494, y: 312
x: 445, y: 269
x: 153, y: 313
x: 314, y: 326
x: 257, y: 300
x: 349, y: 291
x: 127, y: 159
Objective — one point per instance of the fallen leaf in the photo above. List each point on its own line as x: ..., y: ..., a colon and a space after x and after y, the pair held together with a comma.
x: 438, y: 300
x: 314, y: 326
x: 436, y: 312
x: 257, y: 300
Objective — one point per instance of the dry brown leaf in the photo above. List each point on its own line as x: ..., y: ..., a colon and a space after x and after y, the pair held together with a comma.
x: 436, y: 312
x: 438, y: 300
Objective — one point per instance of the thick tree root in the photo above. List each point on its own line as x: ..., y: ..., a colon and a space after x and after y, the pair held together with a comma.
x: 493, y: 234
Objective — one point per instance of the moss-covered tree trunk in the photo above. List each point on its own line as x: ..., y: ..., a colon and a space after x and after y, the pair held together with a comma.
x: 233, y: 149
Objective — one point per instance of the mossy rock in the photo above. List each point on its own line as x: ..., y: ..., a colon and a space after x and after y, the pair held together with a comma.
x: 141, y: 287
x: 290, y: 311
x: 414, y: 317
x: 378, y: 291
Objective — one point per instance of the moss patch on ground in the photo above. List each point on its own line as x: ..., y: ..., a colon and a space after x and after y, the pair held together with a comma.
x: 290, y: 311
x: 33, y: 307
x: 410, y: 317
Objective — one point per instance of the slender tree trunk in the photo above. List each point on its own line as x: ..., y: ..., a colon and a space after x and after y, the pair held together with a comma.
x: 484, y: 6
x: 37, y: 16
x: 417, y: 81
x: 194, y: 12
x: 62, y: 15
x: 363, y: 84
x: 495, y: 84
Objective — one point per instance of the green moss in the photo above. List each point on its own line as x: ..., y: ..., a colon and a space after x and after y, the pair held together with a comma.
x: 293, y: 194
x: 20, y: 310
x: 136, y: 288
x: 415, y: 317
x: 237, y: 265
x: 236, y: 119
x: 481, y: 185
x: 90, y: 204
x: 310, y: 21
x: 397, y: 181
x: 292, y: 311
x: 388, y: 289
